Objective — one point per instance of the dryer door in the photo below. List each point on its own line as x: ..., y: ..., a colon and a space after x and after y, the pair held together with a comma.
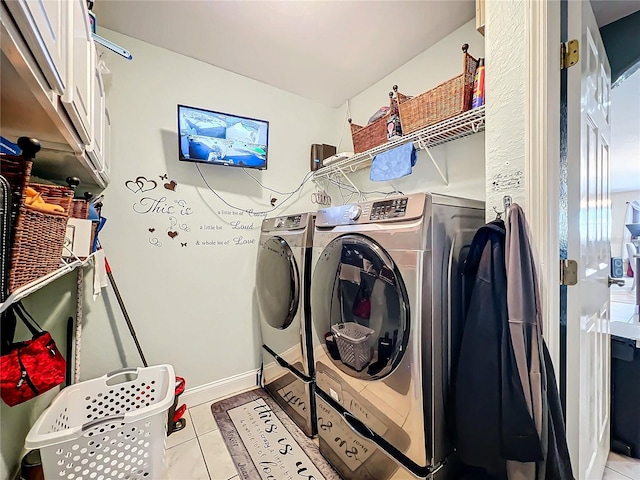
x: 277, y: 283
x: 360, y: 308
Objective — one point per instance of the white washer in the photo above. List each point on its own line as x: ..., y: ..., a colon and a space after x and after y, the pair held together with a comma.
x: 382, y: 297
x: 282, y: 290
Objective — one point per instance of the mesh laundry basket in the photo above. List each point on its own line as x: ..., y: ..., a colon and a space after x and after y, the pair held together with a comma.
x: 112, y: 427
x: 353, y: 344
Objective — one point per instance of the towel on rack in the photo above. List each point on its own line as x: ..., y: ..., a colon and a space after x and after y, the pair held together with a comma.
x: 393, y: 164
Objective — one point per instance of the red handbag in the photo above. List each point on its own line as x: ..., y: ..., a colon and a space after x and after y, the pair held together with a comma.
x: 28, y: 368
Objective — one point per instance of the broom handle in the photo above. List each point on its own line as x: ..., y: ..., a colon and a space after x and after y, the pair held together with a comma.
x: 125, y: 313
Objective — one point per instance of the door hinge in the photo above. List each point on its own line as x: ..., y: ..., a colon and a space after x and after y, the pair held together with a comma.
x: 570, y: 53
x: 568, y: 272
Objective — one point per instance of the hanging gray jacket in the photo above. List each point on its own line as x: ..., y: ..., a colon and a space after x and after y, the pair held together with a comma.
x: 535, y: 370
x: 525, y: 328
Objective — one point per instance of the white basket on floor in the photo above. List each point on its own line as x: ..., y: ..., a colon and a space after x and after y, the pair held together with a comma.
x: 353, y: 343
x: 112, y: 427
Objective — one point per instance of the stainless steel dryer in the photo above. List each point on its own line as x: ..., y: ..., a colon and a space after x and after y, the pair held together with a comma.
x: 282, y: 290
x: 385, y: 310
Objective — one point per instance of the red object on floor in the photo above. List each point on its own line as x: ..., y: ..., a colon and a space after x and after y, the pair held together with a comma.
x: 180, y: 385
x: 179, y: 412
x: 629, y: 269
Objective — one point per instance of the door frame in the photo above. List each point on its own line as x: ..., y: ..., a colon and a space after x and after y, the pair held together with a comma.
x: 542, y: 171
x: 542, y: 158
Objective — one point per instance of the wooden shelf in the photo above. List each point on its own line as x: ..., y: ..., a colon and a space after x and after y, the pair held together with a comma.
x: 36, y: 285
x: 463, y: 125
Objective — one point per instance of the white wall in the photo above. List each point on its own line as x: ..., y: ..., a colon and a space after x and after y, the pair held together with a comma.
x: 625, y: 135
x: 462, y: 160
x: 619, y: 201
x: 192, y: 306
x: 505, y: 99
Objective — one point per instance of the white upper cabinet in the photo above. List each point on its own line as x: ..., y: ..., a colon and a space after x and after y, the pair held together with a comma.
x: 106, y: 167
x: 95, y: 150
x: 52, y: 87
x: 43, y: 24
x: 78, y: 95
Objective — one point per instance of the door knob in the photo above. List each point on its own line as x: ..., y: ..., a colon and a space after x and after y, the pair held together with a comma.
x: 617, y: 281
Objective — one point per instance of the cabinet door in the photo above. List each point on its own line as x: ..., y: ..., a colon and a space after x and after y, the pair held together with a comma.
x: 95, y: 149
x: 43, y: 23
x: 77, y: 96
x: 106, y: 156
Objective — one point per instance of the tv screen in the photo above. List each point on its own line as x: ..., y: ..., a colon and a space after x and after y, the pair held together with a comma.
x: 222, y: 139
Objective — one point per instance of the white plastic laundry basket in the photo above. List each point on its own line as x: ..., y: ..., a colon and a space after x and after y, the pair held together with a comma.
x: 353, y: 343
x: 112, y: 427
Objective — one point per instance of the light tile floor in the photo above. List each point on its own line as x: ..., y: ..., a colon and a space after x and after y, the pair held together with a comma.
x: 198, y: 452
x: 620, y: 467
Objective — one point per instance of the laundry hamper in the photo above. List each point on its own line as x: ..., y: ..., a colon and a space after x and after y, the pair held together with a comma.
x: 112, y: 427
x: 353, y: 344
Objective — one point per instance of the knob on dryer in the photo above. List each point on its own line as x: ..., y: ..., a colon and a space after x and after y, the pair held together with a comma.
x: 354, y: 212
x: 279, y: 223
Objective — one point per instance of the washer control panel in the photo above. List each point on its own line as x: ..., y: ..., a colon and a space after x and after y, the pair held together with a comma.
x: 396, y: 209
x: 384, y: 209
x: 288, y: 223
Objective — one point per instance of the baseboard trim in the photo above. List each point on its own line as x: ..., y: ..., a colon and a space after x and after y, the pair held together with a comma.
x: 211, y: 392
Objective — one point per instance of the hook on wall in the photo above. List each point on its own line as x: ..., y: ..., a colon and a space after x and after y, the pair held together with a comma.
x: 506, y: 203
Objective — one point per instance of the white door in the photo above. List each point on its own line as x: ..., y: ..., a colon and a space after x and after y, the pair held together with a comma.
x: 588, y: 140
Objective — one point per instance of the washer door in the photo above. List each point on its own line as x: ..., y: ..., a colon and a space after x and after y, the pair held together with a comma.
x: 277, y: 283
x: 360, y: 308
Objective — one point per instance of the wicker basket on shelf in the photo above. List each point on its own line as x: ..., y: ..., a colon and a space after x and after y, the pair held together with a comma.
x: 17, y: 171
x: 79, y: 209
x: 39, y: 237
x: 374, y: 134
x: 447, y: 100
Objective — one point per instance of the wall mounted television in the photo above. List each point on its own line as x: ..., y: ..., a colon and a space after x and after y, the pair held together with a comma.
x: 219, y: 138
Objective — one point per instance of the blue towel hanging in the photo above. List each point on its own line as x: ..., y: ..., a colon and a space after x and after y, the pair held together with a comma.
x: 393, y: 164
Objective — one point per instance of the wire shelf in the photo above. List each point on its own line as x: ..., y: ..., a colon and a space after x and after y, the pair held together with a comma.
x: 36, y: 285
x: 463, y: 125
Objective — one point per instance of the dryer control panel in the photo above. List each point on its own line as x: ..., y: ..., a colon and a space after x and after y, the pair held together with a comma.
x: 388, y: 209
x: 297, y: 222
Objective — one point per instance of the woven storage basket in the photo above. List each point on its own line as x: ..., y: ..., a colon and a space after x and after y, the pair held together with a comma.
x: 39, y: 237
x: 17, y: 171
x: 79, y: 209
x: 447, y: 100
x: 374, y: 134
